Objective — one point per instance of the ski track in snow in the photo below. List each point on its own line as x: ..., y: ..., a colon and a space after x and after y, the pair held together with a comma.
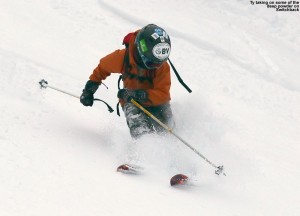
x: 59, y: 158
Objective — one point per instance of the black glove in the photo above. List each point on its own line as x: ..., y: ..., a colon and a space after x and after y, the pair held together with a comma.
x: 127, y: 95
x: 87, y: 96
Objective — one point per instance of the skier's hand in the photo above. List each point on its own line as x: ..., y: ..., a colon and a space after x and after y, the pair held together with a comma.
x: 127, y: 95
x: 87, y: 96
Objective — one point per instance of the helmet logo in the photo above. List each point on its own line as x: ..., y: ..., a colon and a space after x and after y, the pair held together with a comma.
x: 159, y: 33
x: 155, y: 36
x: 161, y: 51
x: 143, y: 45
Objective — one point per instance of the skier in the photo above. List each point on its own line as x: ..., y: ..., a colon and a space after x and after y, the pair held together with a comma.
x: 146, y: 79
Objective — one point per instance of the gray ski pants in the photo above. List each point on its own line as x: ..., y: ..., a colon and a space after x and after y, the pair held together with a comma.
x: 139, y: 123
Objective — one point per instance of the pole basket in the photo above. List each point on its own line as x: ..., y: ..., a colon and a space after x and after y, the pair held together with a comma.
x: 43, y: 83
x: 220, y: 170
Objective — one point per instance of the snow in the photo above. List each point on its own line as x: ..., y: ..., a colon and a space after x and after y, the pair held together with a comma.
x: 58, y: 157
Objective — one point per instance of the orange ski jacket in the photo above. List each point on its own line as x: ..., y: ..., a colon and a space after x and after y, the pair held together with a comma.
x: 156, y: 83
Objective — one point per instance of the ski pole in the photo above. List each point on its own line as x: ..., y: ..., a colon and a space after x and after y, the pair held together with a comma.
x: 219, y: 169
x: 44, y: 84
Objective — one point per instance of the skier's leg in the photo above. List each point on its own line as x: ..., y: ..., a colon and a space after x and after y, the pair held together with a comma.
x: 164, y: 114
x: 137, y: 121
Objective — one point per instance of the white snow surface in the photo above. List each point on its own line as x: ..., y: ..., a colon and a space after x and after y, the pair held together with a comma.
x: 59, y: 158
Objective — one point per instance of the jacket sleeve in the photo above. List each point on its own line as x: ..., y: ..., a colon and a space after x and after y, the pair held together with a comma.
x: 160, y: 93
x: 112, y: 63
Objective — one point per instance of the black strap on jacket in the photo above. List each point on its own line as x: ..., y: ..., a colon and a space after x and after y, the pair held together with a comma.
x: 179, y: 78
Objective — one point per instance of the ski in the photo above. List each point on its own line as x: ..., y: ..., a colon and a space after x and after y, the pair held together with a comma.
x: 129, y: 169
x: 179, y: 179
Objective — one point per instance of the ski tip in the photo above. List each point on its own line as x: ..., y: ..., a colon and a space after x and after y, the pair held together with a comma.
x: 126, y: 168
x: 122, y: 168
x: 178, y: 179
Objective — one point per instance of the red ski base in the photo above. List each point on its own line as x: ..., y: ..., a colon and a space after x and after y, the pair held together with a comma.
x: 178, y: 179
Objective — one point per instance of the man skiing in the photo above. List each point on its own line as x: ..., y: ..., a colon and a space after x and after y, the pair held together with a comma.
x: 146, y: 79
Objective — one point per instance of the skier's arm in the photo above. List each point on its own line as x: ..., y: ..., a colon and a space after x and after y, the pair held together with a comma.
x: 111, y: 63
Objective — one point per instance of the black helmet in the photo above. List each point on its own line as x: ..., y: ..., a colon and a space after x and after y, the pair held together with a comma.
x: 153, y: 46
